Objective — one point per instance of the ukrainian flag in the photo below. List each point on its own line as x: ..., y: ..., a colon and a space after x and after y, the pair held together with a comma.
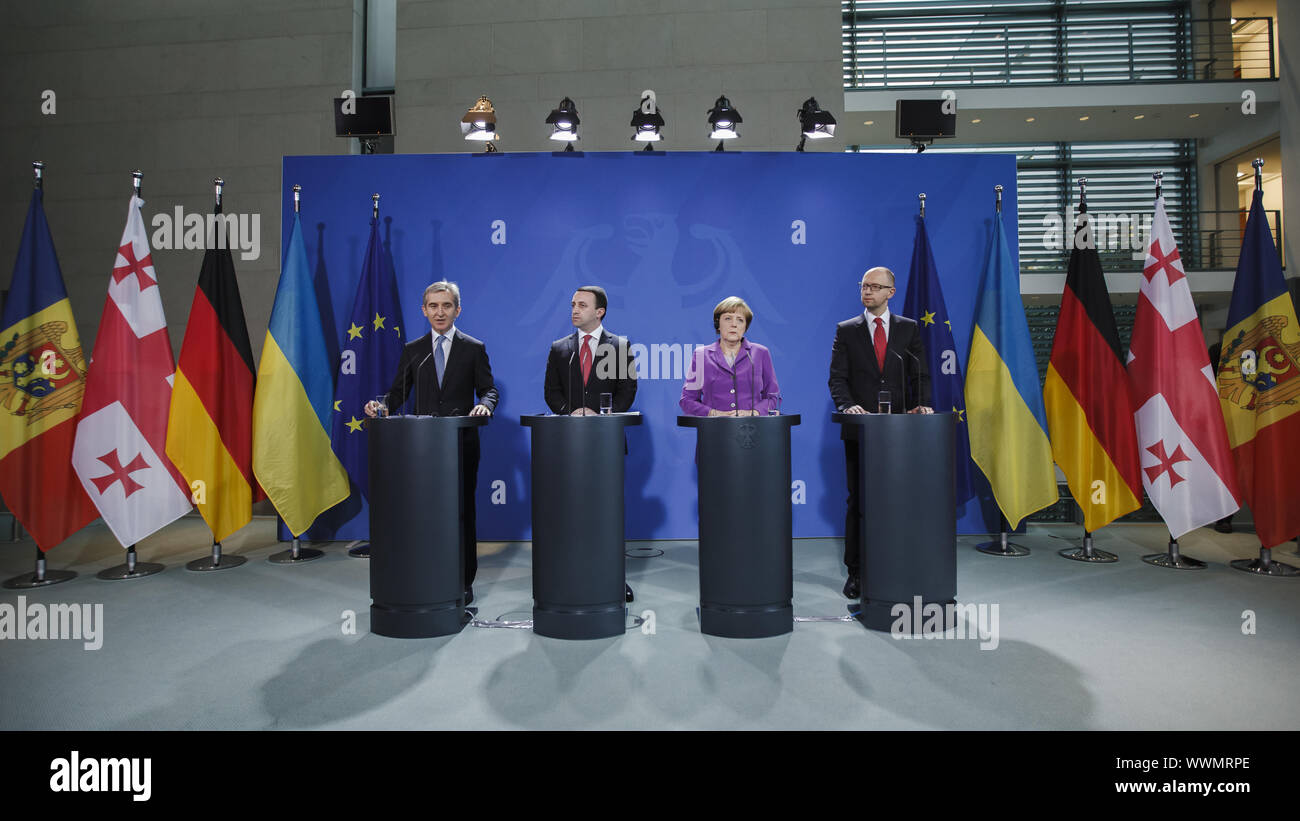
x: 1004, y: 402
x: 292, y: 457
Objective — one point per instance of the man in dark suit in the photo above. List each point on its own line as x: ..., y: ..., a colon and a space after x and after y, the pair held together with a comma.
x: 874, y: 352
x: 446, y: 376
x: 589, y: 362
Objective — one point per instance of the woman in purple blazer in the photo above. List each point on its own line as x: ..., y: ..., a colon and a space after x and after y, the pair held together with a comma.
x: 731, y: 377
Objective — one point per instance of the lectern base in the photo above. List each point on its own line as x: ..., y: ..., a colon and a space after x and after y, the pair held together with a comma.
x: 597, y: 623
x: 746, y: 623
x: 418, y: 623
x: 879, y: 615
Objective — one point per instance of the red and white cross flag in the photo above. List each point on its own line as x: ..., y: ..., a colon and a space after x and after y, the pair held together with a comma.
x: 1187, y: 466
x: 120, y: 451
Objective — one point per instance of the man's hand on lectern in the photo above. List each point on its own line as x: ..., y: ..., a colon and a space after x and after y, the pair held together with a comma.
x: 480, y: 410
x: 921, y: 409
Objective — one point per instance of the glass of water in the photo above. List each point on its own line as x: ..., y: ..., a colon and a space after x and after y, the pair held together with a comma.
x: 884, y: 402
x: 606, y: 403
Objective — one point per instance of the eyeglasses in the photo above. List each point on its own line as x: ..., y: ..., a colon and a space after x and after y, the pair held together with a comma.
x: 875, y: 287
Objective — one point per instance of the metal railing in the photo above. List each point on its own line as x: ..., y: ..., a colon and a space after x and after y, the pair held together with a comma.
x: 984, y: 51
x: 1207, y: 241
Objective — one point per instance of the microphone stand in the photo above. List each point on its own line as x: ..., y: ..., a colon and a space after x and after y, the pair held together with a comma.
x: 417, y: 375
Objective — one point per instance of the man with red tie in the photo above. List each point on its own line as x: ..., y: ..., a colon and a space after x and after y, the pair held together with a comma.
x: 589, y: 362
x: 592, y: 361
x: 873, y: 352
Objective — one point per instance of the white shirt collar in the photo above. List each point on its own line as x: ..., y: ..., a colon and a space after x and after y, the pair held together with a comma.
x: 595, y: 335
x: 451, y: 334
x: 871, y: 319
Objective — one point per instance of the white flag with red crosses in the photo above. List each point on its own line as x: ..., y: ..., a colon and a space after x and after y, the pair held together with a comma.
x: 1187, y: 467
x: 119, y: 453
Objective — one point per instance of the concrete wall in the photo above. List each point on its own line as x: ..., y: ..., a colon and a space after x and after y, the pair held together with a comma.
x: 767, y: 56
x: 183, y: 90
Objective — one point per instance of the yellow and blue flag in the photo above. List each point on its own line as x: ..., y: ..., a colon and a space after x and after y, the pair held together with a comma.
x: 42, y: 382
x: 1004, y: 401
x: 1259, y: 383
x: 292, y: 457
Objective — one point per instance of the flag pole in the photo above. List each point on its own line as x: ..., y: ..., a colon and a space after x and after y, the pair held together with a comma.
x: 1086, y: 553
x: 40, y: 577
x: 132, y: 569
x: 1003, y: 547
x: 362, y: 551
x: 297, y: 554
x: 1171, y: 558
x: 215, y: 561
x: 1264, y: 565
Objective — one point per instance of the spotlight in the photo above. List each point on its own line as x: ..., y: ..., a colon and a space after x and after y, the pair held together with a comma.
x: 480, y: 123
x: 646, y: 120
x: 722, y: 121
x: 814, y: 123
x: 564, y: 122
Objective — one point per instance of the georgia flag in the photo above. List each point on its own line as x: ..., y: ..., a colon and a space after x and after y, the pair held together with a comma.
x: 1187, y: 467
x: 119, y: 452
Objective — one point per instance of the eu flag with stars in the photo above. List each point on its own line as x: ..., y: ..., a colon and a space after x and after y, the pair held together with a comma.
x: 368, y: 359
x: 924, y: 303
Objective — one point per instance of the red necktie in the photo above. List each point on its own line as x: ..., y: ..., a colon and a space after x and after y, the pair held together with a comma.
x: 585, y: 358
x: 879, y: 339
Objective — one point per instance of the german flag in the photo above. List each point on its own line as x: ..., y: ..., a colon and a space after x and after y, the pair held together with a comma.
x: 1089, y: 409
x: 210, y: 425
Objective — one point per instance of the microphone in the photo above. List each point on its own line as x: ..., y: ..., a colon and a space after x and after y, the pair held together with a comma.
x: 902, y: 364
x: 568, y: 379
x: 752, y: 405
x: 916, y: 373
x: 417, y: 378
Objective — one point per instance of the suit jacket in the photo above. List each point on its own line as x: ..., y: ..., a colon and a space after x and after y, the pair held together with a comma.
x: 712, y: 384
x: 467, y: 372
x: 856, y: 378
x: 613, y: 370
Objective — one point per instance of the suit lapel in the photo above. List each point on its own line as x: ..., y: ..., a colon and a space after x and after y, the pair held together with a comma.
x: 868, y: 339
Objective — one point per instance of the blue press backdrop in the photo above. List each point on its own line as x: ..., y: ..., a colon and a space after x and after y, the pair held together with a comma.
x: 667, y: 235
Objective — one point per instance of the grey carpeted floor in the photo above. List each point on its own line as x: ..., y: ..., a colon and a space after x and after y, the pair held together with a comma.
x: 1118, y: 646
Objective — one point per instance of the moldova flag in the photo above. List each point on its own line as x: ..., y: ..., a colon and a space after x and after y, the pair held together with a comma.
x: 924, y: 302
x: 292, y: 458
x: 1089, y: 409
x: 210, y: 425
x: 42, y: 381
x: 1259, y: 384
x: 1004, y: 405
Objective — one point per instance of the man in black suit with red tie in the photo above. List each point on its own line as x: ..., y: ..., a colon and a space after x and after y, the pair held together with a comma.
x: 873, y: 352
x: 589, y: 362
x: 447, y: 368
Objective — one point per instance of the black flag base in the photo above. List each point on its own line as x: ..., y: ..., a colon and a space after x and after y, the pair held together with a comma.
x: 642, y: 552
x: 131, y: 570
x: 295, y: 555
x: 216, y: 561
x: 360, y: 550
x: 1003, y: 547
x: 1264, y: 565
x: 1087, y: 553
x: 41, y: 577
x: 1172, y: 559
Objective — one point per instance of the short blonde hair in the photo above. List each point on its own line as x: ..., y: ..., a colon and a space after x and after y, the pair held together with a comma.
x: 732, y: 305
